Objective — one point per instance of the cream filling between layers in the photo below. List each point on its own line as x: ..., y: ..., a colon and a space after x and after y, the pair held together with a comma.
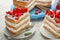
x: 30, y: 4
x: 23, y: 0
x: 46, y: 25
x: 20, y: 23
x: 10, y: 17
x: 44, y: 0
x: 23, y: 26
x: 41, y: 2
x: 52, y: 19
x: 52, y: 25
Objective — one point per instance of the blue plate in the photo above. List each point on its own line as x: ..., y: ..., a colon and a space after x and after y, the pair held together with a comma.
x: 35, y: 16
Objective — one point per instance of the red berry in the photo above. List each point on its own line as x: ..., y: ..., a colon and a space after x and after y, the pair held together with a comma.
x: 18, y: 10
x: 8, y: 12
x: 17, y: 15
x: 52, y: 15
x: 57, y: 20
x: 36, y: 12
x: 23, y: 10
x: 14, y: 12
x: 16, y: 18
x: 58, y: 6
x: 58, y: 14
x: 54, y: 11
x: 21, y: 13
x: 48, y: 12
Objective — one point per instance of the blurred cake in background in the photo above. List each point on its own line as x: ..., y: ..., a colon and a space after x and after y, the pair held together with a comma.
x: 43, y: 3
x: 52, y: 22
x: 17, y: 20
x: 24, y: 3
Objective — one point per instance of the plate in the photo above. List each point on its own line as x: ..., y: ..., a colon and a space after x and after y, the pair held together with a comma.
x: 21, y: 36
x: 45, y: 33
x: 35, y: 16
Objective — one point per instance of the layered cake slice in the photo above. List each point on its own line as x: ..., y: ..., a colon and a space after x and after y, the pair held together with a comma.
x: 52, y: 22
x: 46, y: 3
x: 17, y: 20
x: 24, y: 3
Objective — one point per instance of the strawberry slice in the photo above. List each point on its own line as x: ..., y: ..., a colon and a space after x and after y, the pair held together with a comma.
x: 36, y: 12
x: 18, y: 14
x: 57, y: 20
x: 52, y: 15
x: 58, y: 14
x: 23, y: 10
x: 54, y: 11
x: 16, y: 18
x: 48, y: 12
x: 58, y: 6
x: 17, y: 10
x: 8, y: 12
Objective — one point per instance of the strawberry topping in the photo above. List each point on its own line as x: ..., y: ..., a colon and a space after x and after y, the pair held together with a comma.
x: 55, y: 14
x: 17, y: 12
x: 37, y: 11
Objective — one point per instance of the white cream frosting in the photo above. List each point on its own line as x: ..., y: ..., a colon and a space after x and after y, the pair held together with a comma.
x: 46, y: 25
x: 23, y: 26
x: 16, y: 25
x: 10, y: 17
x: 44, y: 0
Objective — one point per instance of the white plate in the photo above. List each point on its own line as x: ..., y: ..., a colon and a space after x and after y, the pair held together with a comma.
x: 45, y: 33
x: 21, y: 36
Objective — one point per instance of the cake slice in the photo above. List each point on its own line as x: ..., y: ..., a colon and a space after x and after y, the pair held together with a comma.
x: 17, y: 20
x: 52, y: 22
x: 46, y: 3
x: 24, y: 3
